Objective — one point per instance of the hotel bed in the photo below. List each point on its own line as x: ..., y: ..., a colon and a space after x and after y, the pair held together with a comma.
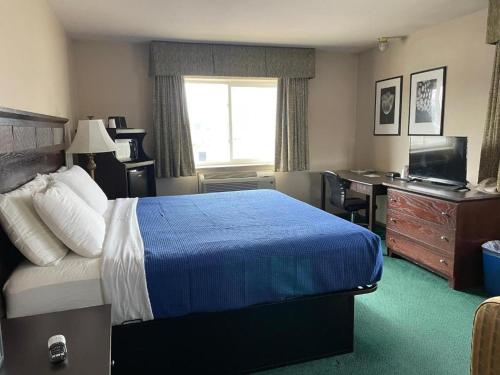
x: 222, y: 282
x: 203, y: 253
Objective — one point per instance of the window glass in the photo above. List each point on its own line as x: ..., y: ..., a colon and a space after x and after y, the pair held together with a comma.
x: 233, y: 121
x: 209, y: 121
x: 254, y: 122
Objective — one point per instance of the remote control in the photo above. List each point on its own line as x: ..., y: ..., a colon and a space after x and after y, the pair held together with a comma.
x: 57, y: 348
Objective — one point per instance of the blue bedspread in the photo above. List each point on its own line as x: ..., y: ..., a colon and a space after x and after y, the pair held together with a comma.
x: 220, y: 251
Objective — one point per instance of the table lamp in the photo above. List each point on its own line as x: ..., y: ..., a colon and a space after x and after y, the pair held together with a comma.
x: 91, y: 138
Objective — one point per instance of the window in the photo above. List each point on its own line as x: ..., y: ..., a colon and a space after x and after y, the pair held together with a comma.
x: 233, y: 121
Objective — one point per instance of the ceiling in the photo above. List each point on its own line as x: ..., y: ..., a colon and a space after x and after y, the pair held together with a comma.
x: 329, y: 24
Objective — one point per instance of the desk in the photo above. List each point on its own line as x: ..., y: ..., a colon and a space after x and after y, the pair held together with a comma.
x: 369, y: 186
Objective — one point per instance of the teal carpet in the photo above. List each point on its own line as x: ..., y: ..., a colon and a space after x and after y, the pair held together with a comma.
x: 413, y: 324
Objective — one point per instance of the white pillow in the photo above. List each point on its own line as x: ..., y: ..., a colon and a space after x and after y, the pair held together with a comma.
x: 24, y: 227
x: 84, y: 186
x: 46, y: 177
x: 74, y: 222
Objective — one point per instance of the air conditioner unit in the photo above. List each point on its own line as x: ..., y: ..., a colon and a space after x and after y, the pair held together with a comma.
x: 233, y: 181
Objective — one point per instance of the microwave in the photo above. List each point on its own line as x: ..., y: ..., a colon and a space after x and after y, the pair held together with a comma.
x: 126, y: 149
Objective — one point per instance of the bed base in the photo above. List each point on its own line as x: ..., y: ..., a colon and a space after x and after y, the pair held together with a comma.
x: 239, y: 341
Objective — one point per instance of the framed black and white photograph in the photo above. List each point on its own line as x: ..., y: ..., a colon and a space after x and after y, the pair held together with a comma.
x: 427, y: 89
x: 388, y: 106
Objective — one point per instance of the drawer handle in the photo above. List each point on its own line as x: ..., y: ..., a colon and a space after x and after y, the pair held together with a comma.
x: 393, y: 200
x: 392, y: 239
x: 393, y: 220
x: 444, y: 238
x: 443, y: 261
x: 445, y: 214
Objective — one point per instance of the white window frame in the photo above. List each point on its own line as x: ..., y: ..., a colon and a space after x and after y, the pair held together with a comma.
x: 233, y: 82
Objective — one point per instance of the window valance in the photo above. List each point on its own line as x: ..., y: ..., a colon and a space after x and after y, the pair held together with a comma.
x: 493, y: 30
x: 172, y: 58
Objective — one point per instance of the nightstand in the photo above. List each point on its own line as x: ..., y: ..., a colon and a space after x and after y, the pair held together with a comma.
x: 88, y: 339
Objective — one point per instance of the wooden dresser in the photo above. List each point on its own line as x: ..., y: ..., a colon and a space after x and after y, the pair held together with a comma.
x: 442, y: 230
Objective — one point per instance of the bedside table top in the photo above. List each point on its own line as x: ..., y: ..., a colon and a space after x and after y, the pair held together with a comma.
x: 88, y: 340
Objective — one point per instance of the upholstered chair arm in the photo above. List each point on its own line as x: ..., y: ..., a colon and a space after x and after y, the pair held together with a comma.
x: 486, y: 338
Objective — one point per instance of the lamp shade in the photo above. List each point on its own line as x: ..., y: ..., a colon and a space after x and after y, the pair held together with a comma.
x: 91, y: 138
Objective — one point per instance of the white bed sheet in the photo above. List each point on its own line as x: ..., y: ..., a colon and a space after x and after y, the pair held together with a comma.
x: 123, y: 277
x: 73, y: 283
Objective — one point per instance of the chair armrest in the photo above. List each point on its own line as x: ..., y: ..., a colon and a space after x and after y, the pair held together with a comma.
x: 486, y: 338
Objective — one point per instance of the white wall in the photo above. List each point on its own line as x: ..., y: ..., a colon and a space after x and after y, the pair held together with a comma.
x: 460, y: 45
x: 112, y: 78
x: 35, y: 62
x: 332, y: 116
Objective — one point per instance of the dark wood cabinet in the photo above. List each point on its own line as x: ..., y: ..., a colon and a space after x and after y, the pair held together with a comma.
x: 442, y: 232
x: 122, y: 179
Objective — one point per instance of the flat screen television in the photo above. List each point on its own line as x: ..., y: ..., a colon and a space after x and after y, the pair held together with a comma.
x: 438, y: 159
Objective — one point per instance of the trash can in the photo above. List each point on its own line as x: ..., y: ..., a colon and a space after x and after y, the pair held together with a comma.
x: 491, y: 267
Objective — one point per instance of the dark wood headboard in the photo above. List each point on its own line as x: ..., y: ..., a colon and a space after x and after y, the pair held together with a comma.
x: 30, y: 143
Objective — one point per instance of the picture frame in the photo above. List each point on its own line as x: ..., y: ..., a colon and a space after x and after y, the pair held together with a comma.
x: 427, y: 98
x: 388, y: 93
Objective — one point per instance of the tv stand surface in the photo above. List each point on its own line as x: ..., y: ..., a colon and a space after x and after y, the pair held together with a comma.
x: 441, y: 229
x: 448, y: 192
x: 431, y: 187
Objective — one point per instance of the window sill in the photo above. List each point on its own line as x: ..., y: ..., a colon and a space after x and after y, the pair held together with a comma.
x: 233, y: 167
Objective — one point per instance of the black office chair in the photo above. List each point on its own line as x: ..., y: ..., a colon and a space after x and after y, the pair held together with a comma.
x: 338, y: 197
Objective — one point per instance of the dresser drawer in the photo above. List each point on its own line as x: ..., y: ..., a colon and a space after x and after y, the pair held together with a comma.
x: 436, y: 235
x: 430, y: 209
x: 420, y: 254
